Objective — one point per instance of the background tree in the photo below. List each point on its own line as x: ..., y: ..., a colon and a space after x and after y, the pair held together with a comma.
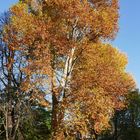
x: 15, y: 101
x: 126, y: 121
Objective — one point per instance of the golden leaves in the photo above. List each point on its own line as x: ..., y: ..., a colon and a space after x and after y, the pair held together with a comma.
x: 100, y: 83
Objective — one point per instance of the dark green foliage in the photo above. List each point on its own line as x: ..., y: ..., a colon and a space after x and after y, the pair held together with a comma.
x: 38, y: 126
x: 126, y: 123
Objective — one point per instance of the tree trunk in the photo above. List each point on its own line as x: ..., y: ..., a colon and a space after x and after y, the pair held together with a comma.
x: 10, y: 114
x: 115, y: 136
x: 59, y: 98
x: 57, y: 130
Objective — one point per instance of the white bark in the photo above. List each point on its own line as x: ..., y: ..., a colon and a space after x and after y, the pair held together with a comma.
x: 67, y: 73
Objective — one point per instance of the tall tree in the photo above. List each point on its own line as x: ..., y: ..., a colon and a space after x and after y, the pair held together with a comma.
x: 53, y: 35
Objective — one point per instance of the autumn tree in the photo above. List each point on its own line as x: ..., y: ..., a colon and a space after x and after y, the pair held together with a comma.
x: 12, y: 98
x: 53, y: 35
x: 15, y: 100
x: 102, y: 88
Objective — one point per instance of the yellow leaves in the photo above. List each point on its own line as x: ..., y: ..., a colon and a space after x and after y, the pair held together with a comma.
x: 101, y: 19
x: 56, y: 22
x: 19, y: 9
x: 21, y: 19
x: 101, y: 83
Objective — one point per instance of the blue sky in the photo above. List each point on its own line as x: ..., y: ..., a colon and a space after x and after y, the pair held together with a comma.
x: 5, y: 4
x: 128, y: 37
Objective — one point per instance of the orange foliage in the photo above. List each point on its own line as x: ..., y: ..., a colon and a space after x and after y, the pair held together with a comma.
x: 59, y: 36
x: 100, y: 84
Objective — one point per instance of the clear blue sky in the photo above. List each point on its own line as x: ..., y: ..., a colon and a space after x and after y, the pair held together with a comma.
x: 128, y: 37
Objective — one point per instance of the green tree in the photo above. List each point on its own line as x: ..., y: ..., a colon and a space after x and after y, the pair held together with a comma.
x: 126, y: 123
